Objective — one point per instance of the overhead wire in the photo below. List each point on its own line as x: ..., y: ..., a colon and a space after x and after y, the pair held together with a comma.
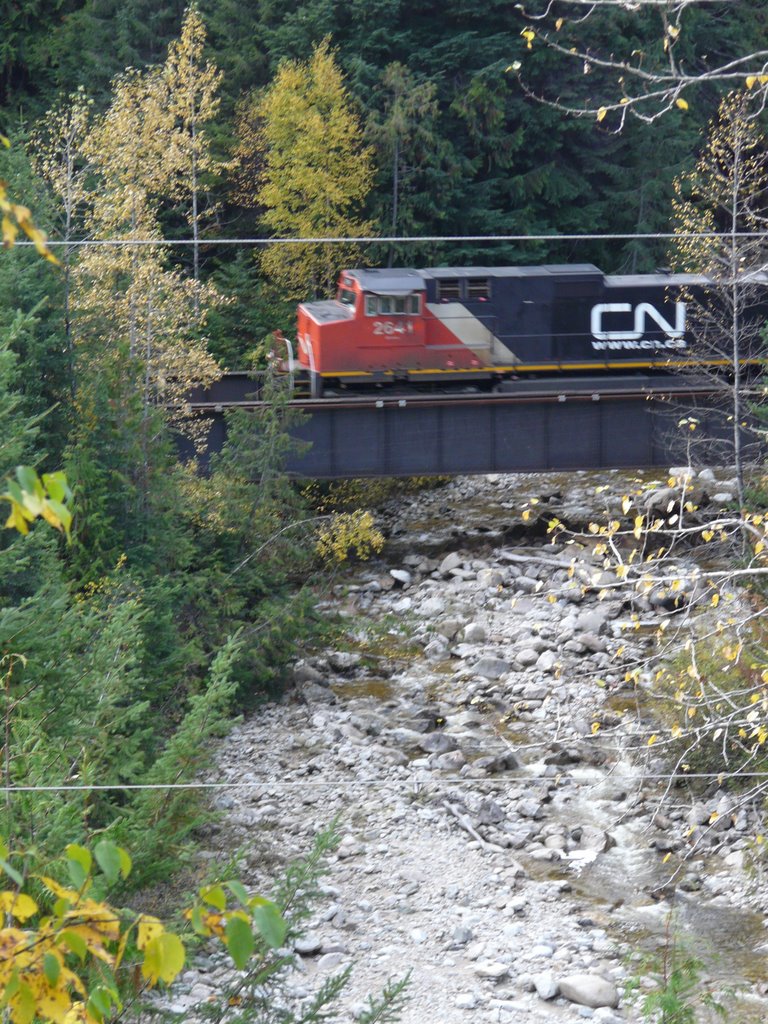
x: 390, y: 239
x: 342, y: 784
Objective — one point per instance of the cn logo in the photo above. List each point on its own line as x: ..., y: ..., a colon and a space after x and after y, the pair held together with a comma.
x: 644, y: 312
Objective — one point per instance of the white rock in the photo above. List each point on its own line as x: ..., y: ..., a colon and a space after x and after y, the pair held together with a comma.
x: 491, y: 969
x: 491, y: 668
x: 329, y: 961
x: 589, y: 990
x: 545, y: 984
x: 401, y: 576
x: 452, y: 561
x: 474, y: 633
x: 466, y: 1001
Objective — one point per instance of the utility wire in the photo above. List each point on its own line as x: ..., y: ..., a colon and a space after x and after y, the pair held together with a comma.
x: 342, y: 784
x: 168, y: 242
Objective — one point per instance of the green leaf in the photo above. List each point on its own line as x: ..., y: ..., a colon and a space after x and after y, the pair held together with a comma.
x: 240, y: 941
x: 215, y: 895
x: 79, y: 863
x: 26, y: 1005
x: 197, y: 921
x: 12, y: 873
x: 269, y: 921
x: 101, y: 1000
x: 74, y: 942
x: 29, y: 481
x: 108, y: 858
x: 126, y: 864
x: 238, y: 891
x: 56, y: 486
x: 51, y: 968
x: 3, y: 850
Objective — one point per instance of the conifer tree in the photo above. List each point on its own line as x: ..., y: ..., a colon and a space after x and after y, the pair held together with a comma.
x: 317, y: 173
x: 411, y: 154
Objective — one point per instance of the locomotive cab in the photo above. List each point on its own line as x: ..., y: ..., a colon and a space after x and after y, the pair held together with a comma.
x: 371, y: 331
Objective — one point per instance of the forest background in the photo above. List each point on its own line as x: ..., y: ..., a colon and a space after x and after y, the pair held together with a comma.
x: 180, y: 599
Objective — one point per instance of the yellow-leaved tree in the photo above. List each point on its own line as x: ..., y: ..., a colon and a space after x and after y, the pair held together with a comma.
x: 193, y: 83
x: 719, y: 216
x: 316, y: 173
x: 129, y: 301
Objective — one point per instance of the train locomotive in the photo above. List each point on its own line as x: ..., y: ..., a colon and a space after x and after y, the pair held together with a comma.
x: 480, y: 326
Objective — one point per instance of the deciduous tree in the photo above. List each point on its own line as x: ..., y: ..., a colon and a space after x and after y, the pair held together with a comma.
x: 317, y: 173
x: 193, y: 85
x: 726, y: 197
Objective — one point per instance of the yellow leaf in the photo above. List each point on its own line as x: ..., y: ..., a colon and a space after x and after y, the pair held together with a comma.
x: 683, y: 105
x: 526, y: 515
x: 751, y: 79
x: 652, y: 740
x: 559, y: 24
x: 715, y: 600
x: 601, y: 113
x: 759, y: 547
x: 626, y: 504
x: 595, y: 728
x: 9, y: 232
x: 666, y: 857
x: 163, y: 958
x: 18, y: 904
x: 149, y: 928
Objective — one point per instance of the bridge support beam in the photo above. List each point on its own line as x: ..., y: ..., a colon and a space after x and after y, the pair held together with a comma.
x: 526, y: 431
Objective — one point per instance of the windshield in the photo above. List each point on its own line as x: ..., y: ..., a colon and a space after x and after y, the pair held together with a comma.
x: 346, y: 296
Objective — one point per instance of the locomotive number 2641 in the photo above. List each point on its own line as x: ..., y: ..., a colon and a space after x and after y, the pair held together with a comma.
x: 388, y: 327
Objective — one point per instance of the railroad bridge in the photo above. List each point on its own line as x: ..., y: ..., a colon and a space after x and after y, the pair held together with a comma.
x: 533, y: 426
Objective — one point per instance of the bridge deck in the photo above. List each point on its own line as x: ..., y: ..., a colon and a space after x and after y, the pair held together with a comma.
x: 535, y: 426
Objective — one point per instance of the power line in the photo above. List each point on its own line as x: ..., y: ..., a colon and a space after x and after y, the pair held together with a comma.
x: 389, y: 239
x: 348, y: 784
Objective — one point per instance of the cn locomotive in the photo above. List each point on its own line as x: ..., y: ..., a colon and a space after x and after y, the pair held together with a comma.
x: 485, y: 325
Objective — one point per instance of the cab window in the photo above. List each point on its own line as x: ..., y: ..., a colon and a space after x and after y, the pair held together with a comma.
x: 391, y: 305
x: 347, y: 296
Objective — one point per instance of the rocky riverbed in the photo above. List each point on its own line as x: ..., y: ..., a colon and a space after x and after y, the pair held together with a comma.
x: 507, y: 832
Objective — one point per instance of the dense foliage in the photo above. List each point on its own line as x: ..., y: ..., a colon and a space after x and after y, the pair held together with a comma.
x: 180, y: 598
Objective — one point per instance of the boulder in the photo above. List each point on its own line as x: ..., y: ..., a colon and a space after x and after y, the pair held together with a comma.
x: 401, y: 576
x: 589, y: 990
x: 451, y: 561
x: 491, y: 668
x: 474, y: 633
x: 546, y: 985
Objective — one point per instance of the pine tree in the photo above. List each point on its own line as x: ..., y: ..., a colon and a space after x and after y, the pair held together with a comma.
x: 317, y: 173
x: 412, y: 156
